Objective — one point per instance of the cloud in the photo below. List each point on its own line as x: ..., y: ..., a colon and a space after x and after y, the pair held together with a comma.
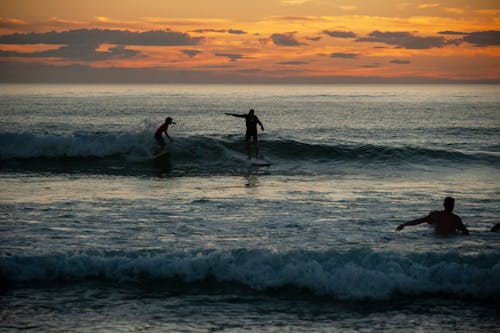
x: 447, y: 32
x: 314, y: 39
x: 285, y: 40
x: 428, y: 5
x: 483, y: 38
x: 400, y: 62
x: 11, y: 23
x: 230, y: 31
x: 455, y: 11
x: 100, y: 36
x: 78, y: 52
x: 191, y: 53
x: 478, y: 38
x: 231, y: 56
x: 340, y: 34
x: 236, y: 32
x: 10, y: 54
x: 202, y: 31
x: 293, y: 63
x: 22, y: 72
x: 344, y: 55
x: 405, y: 40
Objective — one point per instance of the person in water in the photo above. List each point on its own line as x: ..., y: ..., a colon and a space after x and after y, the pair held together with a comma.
x: 445, y: 222
x: 159, y: 134
x: 251, y: 121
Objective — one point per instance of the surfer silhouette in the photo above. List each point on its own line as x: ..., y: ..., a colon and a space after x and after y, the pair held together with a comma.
x: 159, y: 134
x: 445, y: 222
x: 251, y: 121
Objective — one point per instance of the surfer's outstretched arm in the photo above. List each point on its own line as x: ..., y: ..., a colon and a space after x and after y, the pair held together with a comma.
x: 414, y: 222
x: 236, y: 115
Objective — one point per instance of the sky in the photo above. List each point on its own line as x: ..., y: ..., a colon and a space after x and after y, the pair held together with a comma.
x: 257, y: 41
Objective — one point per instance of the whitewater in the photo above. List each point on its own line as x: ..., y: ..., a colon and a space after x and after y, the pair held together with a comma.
x: 96, y: 235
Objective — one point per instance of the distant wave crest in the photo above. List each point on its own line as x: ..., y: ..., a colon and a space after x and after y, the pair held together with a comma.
x: 138, y: 146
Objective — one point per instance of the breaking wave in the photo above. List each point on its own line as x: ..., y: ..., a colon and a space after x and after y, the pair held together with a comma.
x: 353, y: 275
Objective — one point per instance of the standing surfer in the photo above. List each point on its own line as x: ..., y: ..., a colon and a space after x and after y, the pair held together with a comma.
x: 159, y: 134
x: 251, y: 122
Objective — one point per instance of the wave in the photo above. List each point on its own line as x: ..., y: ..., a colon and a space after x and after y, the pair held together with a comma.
x: 141, y: 145
x: 374, y: 153
x: 353, y: 275
x: 76, y: 145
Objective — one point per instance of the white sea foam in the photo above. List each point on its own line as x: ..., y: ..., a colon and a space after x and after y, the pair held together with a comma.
x: 354, y: 275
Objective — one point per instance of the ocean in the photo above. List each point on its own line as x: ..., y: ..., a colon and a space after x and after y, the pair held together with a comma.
x: 97, y: 236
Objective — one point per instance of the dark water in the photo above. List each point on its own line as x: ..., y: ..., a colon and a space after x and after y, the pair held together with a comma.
x: 97, y: 236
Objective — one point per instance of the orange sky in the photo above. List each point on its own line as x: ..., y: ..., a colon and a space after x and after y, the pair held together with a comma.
x: 233, y: 40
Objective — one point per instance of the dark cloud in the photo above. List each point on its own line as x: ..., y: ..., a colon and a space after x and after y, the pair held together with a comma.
x: 405, y: 40
x: 100, y: 36
x: 230, y: 31
x: 285, y: 39
x: 340, y: 34
x: 78, y: 52
x: 23, y: 72
x: 10, y: 54
x: 483, y: 38
x: 82, y: 44
x: 201, y: 31
x: 314, y: 39
x: 293, y: 63
x: 230, y: 56
x: 191, y: 53
x: 400, y: 62
x: 344, y: 55
x: 452, y: 33
x: 236, y: 32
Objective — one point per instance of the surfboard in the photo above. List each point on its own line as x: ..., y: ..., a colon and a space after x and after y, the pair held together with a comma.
x: 260, y: 162
x: 161, y: 155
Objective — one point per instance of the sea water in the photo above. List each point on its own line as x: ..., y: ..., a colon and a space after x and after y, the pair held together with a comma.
x: 96, y: 236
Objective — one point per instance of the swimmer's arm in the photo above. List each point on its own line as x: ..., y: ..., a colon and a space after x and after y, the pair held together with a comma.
x: 414, y: 222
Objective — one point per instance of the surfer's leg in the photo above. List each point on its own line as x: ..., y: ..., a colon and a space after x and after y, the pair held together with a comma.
x: 247, y: 144
x: 247, y: 148
x: 256, y: 143
x: 159, y: 150
x: 161, y: 143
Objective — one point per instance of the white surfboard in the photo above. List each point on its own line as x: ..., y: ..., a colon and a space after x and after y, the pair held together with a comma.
x: 161, y: 155
x: 260, y: 162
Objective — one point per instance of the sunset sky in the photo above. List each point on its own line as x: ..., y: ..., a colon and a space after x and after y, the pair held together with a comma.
x: 323, y: 41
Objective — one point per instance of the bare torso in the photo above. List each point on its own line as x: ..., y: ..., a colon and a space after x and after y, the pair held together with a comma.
x: 445, y: 223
